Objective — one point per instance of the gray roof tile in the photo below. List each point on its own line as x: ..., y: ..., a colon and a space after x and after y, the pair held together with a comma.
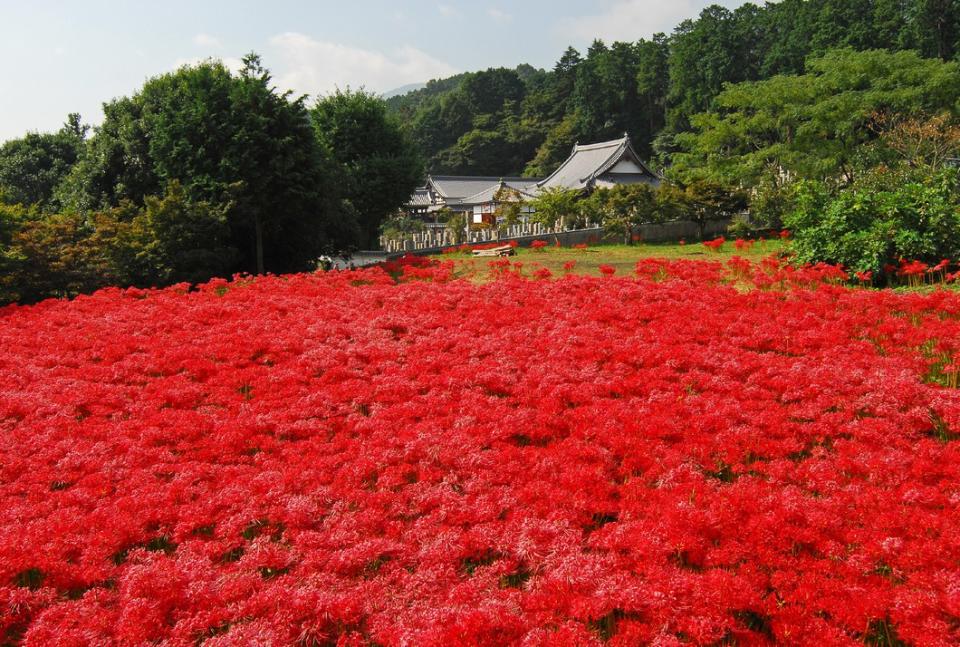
x: 587, y: 162
x: 457, y: 187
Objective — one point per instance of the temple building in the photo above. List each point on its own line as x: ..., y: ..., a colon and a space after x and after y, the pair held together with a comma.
x: 589, y: 167
x: 602, y: 165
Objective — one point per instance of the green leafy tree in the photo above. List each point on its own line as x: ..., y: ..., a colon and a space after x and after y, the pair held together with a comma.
x: 704, y: 55
x: 554, y: 207
x: 554, y: 149
x: 814, y: 125
x: 12, y: 218
x: 378, y: 166
x: 173, y: 240
x: 938, y: 27
x: 33, y: 166
x: 456, y: 224
x: 653, y: 82
x: 704, y: 202
x: 230, y: 141
x: 626, y: 207
x: 509, y: 206
x: 62, y: 255
x: 401, y: 225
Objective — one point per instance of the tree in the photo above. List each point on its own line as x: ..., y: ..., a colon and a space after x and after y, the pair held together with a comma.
x: 938, y: 23
x: 554, y: 207
x: 919, y: 142
x: 704, y: 55
x: 378, y: 164
x: 510, y: 204
x: 653, y: 79
x: 626, y: 207
x: 31, y: 167
x: 62, y: 255
x: 704, y: 202
x: 554, y: 149
x: 173, y: 240
x: 12, y: 218
x: 170, y: 240
x: 814, y: 125
x: 231, y: 141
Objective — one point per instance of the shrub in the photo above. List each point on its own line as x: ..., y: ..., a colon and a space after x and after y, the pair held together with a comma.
x: 883, y: 217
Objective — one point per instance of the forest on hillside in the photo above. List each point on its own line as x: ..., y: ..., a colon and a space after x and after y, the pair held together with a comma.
x: 525, y: 120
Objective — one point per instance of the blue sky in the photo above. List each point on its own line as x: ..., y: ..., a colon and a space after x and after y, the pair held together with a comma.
x: 66, y: 57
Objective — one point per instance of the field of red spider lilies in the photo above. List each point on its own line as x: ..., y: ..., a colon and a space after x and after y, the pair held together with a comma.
x: 700, y: 453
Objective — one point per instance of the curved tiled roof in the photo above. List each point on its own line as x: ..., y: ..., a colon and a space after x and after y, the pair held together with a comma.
x: 420, y: 198
x: 456, y: 187
x: 526, y: 189
x: 586, y: 163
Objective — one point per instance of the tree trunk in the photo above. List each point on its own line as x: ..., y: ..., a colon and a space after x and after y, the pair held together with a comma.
x: 258, y: 230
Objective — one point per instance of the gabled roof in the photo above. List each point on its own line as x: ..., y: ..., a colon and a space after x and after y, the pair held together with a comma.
x: 456, y: 187
x: 420, y: 198
x: 526, y: 189
x: 586, y: 163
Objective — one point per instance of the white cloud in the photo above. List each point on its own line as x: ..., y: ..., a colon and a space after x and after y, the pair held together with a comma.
x: 447, y: 11
x: 498, y: 15
x: 206, y: 40
x: 317, y: 67
x: 631, y: 20
x: 231, y: 63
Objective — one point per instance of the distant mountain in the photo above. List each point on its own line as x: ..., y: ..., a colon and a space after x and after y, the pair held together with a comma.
x: 404, y: 89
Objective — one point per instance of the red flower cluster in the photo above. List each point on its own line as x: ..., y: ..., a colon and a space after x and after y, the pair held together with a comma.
x: 538, y: 244
x: 716, y: 244
x: 345, y: 459
x: 912, y: 268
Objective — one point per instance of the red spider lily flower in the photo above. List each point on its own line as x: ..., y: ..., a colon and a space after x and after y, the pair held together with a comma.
x: 607, y: 270
x: 912, y: 268
x: 703, y: 451
x: 716, y: 244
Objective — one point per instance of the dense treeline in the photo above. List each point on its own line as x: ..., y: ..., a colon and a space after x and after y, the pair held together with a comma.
x: 503, y: 121
x: 201, y: 173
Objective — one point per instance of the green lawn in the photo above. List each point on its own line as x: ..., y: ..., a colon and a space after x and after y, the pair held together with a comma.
x: 622, y: 257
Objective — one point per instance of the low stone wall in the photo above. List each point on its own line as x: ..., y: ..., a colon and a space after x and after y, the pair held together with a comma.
x: 674, y: 231
x: 677, y: 230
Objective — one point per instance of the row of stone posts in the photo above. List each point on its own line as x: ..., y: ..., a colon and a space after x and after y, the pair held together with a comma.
x: 440, y: 238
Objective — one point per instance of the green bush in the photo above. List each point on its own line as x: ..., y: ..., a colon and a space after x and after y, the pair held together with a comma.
x: 884, y: 216
x: 168, y: 241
